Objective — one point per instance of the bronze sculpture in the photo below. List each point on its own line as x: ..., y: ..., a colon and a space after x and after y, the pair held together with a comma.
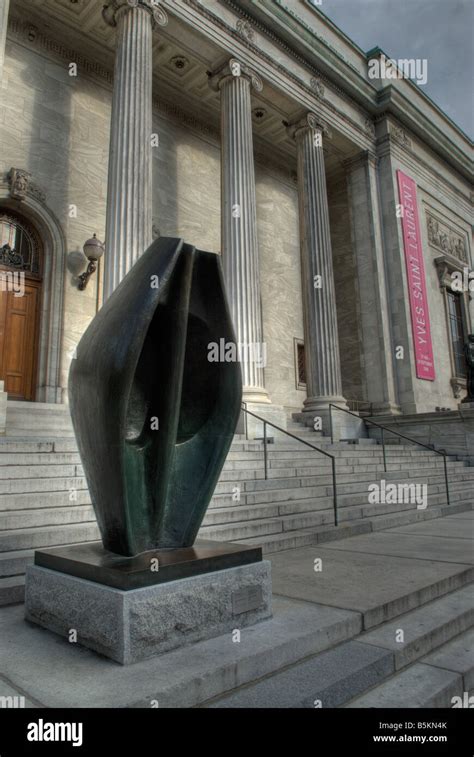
x: 153, y: 417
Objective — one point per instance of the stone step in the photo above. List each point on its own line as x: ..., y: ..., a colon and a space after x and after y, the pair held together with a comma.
x: 380, y: 516
x: 12, y: 590
x: 288, y: 479
x: 24, y: 485
x: 38, y: 500
x: 14, y: 563
x: 328, y: 679
x: 9, y: 472
x: 425, y: 628
x: 360, y: 673
x: 14, y: 459
x: 434, y: 681
x: 301, y: 499
x: 49, y: 536
x: 185, y: 677
x: 20, y: 446
x: 418, y: 686
x: 54, y: 516
x: 277, y: 452
x: 311, y: 536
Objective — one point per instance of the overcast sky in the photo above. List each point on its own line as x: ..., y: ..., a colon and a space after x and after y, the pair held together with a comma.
x: 439, y: 30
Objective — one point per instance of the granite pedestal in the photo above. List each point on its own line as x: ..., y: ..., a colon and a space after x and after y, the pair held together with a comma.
x: 130, y: 609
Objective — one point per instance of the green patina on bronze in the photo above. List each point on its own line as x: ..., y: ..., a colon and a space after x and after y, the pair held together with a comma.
x: 142, y: 363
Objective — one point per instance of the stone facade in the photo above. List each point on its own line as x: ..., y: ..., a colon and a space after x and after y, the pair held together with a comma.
x: 56, y: 127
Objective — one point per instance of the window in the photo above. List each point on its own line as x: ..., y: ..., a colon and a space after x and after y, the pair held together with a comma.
x: 457, y: 333
x: 300, y: 370
x: 19, y: 244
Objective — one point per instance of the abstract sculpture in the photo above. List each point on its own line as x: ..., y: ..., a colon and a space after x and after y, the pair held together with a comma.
x: 153, y: 417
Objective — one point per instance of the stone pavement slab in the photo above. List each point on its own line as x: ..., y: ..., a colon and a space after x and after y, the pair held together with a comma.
x: 378, y: 586
x: 446, y: 527
x: 391, y: 543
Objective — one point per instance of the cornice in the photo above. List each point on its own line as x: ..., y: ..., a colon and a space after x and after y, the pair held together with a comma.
x: 315, y: 75
x: 388, y: 99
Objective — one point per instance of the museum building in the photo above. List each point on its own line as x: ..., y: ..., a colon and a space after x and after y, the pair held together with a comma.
x: 341, y: 203
x: 249, y: 129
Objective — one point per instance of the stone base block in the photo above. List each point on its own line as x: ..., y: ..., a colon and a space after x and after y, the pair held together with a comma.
x: 344, y: 426
x: 253, y: 427
x: 133, y: 625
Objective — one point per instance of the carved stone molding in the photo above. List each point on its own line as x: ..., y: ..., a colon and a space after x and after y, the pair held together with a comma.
x: 21, y: 185
x: 400, y: 137
x: 442, y: 237
x: 113, y: 8
x: 317, y: 86
x: 234, y: 68
x: 308, y: 121
x: 458, y: 385
x: 245, y: 29
x: 25, y: 32
x: 369, y: 127
x: 19, y: 182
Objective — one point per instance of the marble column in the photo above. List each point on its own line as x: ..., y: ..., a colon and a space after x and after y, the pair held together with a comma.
x: 323, y: 368
x: 4, y: 8
x: 129, y: 189
x: 239, y: 220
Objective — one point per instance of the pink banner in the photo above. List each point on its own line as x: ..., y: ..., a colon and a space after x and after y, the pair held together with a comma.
x: 420, y: 317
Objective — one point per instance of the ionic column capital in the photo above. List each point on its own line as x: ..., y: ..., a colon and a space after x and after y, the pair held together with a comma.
x: 234, y: 69
x: 114, y: 8
x: 309, y: 122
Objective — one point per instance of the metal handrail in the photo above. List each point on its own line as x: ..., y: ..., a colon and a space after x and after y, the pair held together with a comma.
x: 303, y: 441
x: 386, y: 428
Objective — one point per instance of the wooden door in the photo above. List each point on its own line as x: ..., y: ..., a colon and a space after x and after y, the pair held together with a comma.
x: 18, y: 340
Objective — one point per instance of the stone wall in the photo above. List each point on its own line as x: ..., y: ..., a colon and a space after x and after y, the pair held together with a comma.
x: 280, y: 271
x: 347, y: 297
x: 445, y: 194
x: 56, y: 127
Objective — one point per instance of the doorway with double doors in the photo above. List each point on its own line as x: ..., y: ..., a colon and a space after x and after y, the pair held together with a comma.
x: 21, y: 264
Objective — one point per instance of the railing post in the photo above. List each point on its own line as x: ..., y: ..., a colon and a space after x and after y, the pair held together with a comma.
x: 334, y: 490
x: 446, y: 479
x: 383, y: 451
x: 265, y: 462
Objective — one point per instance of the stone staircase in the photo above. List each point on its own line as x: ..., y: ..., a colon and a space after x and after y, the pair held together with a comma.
x: 432, y: 665
x: 44, y: 500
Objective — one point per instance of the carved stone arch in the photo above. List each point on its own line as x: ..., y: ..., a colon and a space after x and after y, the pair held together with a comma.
x: 32, y: 205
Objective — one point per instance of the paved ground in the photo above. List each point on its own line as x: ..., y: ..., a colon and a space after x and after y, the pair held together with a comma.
x: 364, y: 580
x: 374, y: 573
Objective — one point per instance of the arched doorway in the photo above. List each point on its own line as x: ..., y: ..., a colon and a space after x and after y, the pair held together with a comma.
x: 21, y: 272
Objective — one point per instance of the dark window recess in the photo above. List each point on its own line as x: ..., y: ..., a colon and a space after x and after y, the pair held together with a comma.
x: 19, y: 245
x: 457, y: 333
x: 301, y: 366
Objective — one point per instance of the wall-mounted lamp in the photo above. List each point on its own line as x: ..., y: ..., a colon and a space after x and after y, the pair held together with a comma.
x: 93, y: 250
